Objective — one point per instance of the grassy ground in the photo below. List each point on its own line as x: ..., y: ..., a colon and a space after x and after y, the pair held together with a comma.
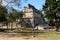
x: 42, y: 35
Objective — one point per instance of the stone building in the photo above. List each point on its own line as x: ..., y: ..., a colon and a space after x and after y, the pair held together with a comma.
x: 32, y: 16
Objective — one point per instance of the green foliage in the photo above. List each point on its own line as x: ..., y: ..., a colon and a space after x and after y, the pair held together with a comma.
x: 19, y: 14
x: 50, y: 11
x: 13, y: 16
x: 3, y: 12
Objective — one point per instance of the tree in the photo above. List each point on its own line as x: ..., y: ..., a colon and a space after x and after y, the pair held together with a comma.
x: 50, y: 12
x: 42, y: 14
x: 3, y: 13
x: 14, y: 16
x: 4, y: 16
x: 19, y: 15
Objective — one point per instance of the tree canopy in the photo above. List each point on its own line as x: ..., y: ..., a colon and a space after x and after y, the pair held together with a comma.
x: 51, y: 10
x: 3, y: 13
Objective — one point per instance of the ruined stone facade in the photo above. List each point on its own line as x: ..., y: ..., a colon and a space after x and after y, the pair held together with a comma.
x: 32, y: 16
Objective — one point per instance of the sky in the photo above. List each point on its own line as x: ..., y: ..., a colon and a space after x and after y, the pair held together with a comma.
x: 38, y: 4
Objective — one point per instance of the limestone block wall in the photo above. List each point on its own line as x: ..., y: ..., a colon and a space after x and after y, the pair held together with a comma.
x: 28, y: 15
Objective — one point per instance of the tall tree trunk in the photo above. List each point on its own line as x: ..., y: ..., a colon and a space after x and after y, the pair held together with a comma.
x: 2, y: 24
x: 7, y: 26
x: 57, y: 29
x: 11, y: 25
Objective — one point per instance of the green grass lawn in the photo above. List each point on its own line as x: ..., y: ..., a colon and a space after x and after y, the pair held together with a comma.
x: 51, y: 35
x: 42, y: 35
x: 39, y: 34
